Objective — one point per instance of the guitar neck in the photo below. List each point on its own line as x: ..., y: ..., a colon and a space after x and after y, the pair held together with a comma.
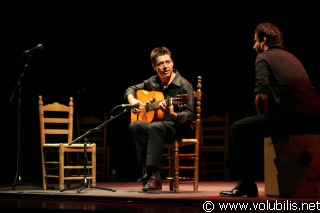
x: 156, y: 105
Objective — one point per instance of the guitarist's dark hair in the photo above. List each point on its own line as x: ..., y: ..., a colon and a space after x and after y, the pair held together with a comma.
x: 159, y: 51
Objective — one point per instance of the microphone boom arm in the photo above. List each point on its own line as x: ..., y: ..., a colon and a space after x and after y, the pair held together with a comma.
x: 99, y: 126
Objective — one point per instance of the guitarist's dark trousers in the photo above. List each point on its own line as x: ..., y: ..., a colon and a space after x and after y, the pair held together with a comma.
x: 149, y: 138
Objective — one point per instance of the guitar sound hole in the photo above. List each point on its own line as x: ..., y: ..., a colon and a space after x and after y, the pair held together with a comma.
x: 147, y: 107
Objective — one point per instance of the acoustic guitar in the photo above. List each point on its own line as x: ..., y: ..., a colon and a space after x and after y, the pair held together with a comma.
x: 151, y: 110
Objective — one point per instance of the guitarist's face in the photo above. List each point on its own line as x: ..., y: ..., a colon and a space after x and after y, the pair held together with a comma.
x: 164, y: 67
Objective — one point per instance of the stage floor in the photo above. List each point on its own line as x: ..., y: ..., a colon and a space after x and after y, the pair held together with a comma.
x: 128, y: 197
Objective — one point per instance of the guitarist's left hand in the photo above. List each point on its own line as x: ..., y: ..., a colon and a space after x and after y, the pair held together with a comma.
x: 168, y: 109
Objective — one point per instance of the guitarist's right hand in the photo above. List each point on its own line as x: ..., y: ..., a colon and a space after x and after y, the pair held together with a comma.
x: 133, y: 101
x: 136, y: 110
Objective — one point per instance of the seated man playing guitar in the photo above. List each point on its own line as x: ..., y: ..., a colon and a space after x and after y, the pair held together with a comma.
x: 165, y: 113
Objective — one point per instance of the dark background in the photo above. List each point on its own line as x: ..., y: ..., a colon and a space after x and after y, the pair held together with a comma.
x: 93, y: 52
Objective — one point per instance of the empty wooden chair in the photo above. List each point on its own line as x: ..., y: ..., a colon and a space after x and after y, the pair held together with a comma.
x: 56, y: 134
x: 98, y: 127
x: 213, y: 147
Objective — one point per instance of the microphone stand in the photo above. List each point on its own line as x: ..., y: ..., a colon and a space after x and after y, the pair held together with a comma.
x: 85, y: 182
x: 17, y: 89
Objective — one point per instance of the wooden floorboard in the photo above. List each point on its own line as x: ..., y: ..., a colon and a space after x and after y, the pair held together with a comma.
x: 128, y: 197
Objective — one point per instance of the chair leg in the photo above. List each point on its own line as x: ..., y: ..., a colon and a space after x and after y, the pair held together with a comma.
x: 61, y: 167
x: 196, y: 172
x: 94, y: 165
x: 176, y: 167
x: 44, y: 171
x: 171, y: 168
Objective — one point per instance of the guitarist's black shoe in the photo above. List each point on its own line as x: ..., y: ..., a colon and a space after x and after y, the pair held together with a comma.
x: 242, y: 189
x: 152, y: 185
x: 144, y: 177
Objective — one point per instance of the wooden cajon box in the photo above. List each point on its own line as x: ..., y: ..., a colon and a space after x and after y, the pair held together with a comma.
x: 292, y: 166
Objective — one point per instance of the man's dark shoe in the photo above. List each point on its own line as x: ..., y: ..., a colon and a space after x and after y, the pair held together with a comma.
x: 152, y: 184
x: 242, y: 189
x: 145, y: 177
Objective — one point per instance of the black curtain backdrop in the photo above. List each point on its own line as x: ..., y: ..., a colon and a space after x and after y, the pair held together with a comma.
x: 93, y: 52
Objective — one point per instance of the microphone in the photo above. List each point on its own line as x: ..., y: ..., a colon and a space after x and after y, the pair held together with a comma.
x: 38, y: 47
x: 136, y: 105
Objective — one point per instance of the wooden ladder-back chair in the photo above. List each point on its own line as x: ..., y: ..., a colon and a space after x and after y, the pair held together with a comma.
x: 56, y: 136
x: 98, y: 136
x: 183, y: 155
x: 214, y: 147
